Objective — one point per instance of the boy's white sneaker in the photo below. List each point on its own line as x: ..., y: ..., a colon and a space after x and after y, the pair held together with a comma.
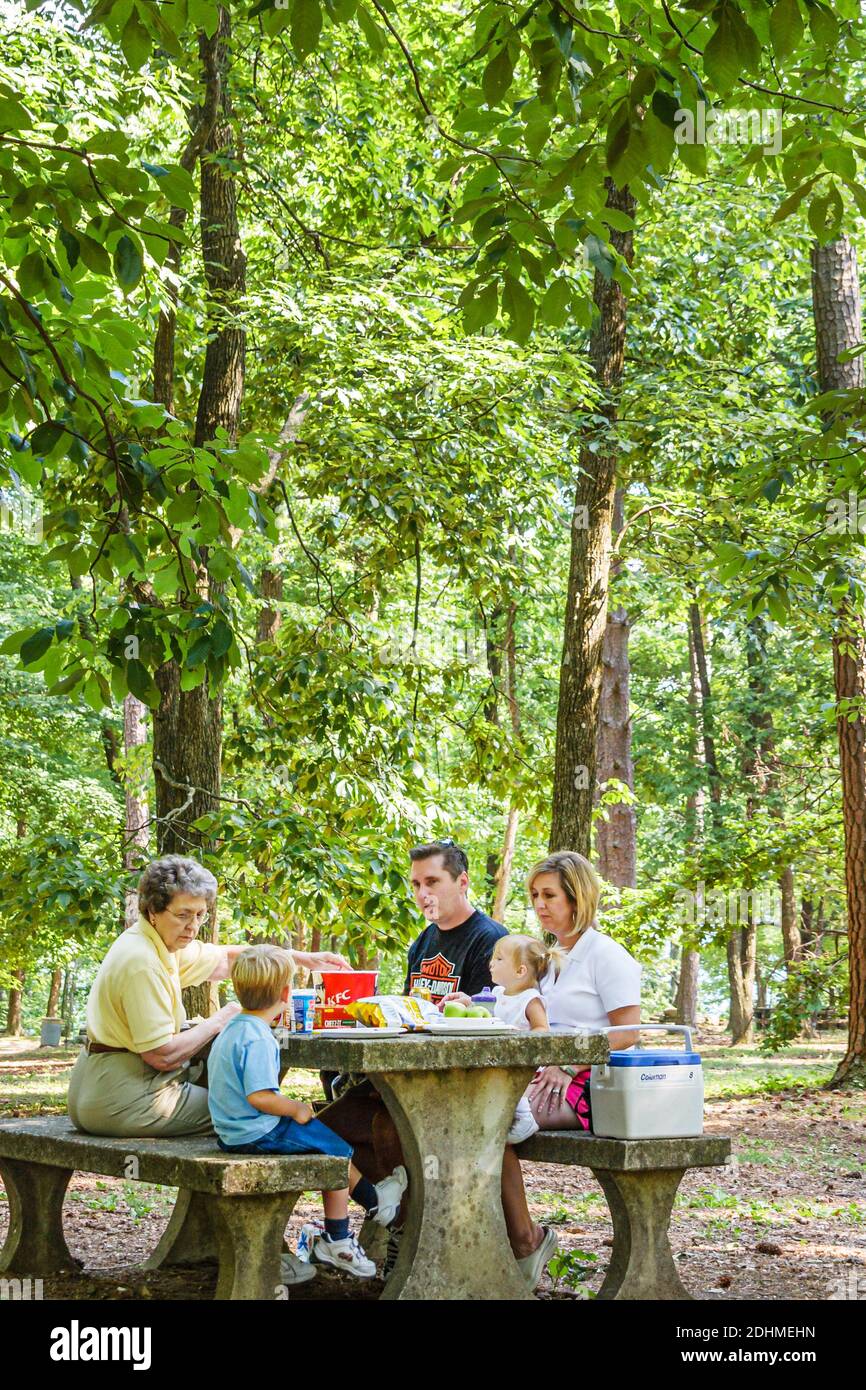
x: 346, y: 1255
x: 390, y: 1193
x: 295, y: 1271
x: 523, y: 1125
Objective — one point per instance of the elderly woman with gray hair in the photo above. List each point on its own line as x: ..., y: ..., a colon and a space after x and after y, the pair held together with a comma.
x: 134, y: 1076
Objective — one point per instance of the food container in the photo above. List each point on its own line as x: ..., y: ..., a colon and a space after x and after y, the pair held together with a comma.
x: 649, y: 1093
x: 331, y: 1018
x: 303, y: 1003
x: 337, y: 988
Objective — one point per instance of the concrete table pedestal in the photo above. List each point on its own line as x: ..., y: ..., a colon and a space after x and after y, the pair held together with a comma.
x: 452, y: 1127
x: 452, y: 1100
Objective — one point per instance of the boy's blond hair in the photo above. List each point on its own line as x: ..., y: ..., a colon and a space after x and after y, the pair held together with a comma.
x: 260, y: 974
x: 536, y: 955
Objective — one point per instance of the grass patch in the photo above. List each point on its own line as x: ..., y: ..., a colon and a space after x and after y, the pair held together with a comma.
x: 730, y: 1072
x: 138, y: 1199
x: 784, y: 1211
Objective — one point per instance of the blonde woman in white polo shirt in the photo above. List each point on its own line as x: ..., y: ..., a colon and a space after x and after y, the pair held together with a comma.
x: 597, y: 985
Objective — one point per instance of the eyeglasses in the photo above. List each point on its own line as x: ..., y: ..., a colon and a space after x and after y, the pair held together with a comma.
x: 187, y: 918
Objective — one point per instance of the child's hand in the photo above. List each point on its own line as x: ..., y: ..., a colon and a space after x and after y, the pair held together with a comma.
x: 304, y: 1113
x: 457, y: 998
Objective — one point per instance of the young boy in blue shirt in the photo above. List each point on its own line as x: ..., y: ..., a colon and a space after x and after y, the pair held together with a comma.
x: 250, y: 1115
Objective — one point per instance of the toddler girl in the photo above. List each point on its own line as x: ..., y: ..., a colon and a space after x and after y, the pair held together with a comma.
x: 517, y: 966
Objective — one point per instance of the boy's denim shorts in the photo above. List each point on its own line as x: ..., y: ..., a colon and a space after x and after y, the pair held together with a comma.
x: 288, y: 1137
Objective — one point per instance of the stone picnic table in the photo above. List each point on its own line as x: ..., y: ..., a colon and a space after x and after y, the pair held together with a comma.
x: 452, y: 1100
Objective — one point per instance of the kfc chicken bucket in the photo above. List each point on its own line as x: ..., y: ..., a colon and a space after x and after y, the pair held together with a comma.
x: 337, y: 988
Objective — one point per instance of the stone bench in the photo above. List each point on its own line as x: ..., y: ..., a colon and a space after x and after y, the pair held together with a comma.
x: 639, y: 1178
x: 230, y: 1207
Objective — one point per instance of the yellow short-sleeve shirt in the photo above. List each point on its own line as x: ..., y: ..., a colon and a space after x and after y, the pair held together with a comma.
x: 135, y: 1000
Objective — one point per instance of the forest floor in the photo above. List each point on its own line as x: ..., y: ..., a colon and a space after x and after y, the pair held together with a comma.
x: 787, y: 1220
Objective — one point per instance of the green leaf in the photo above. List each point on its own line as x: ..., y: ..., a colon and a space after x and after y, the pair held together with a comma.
x: 306, y: 26
x: 176, y: 185
x: 518, y: 305
x: 141, y: 684
x: 198, y: 652
x: 373, y: 33
x: 221, y: 638
x: 793, y: 201
x: 204, y: 14
x: 824, y: 27
x: 13, y: 116
x: 497, y: 76
x: 36, y: 646
x: 786, y: 28
x: 45, y: 436
x: 135, y: 42
x: 127, y: 263
x: 480, y: 309
x: 733, y: 49
x: 70, y: 246
x: 33, y: 275
x: 554, y: 305
x: 94, y: 256
x: 600, y: 256
x: 825, y: 216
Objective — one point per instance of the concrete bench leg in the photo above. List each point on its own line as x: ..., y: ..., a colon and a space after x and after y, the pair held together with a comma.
x: 35, y: 1243
x: 188, y: 1239
x: 249, y: 1233
x: 641, y: 1265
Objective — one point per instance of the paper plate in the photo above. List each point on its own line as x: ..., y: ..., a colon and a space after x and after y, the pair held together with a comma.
x: 470, y: 1025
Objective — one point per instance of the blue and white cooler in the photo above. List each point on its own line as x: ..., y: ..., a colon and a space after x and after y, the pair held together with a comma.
x: 649, y: 1094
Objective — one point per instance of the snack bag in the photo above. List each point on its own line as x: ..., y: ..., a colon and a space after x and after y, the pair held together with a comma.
x: 393, y: 1011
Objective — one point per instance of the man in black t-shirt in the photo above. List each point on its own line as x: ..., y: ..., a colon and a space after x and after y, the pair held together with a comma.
x: 452, y: 954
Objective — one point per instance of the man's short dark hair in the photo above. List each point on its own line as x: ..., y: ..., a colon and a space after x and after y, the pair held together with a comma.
x: 453, y: 857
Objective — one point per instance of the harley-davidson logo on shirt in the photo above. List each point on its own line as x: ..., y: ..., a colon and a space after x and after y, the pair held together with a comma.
x: 436, y: 974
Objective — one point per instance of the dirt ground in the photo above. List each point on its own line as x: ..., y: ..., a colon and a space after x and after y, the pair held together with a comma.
x: 787, y: 1220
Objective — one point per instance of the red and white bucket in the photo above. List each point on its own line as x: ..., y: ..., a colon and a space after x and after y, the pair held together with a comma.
x: 337, y: 988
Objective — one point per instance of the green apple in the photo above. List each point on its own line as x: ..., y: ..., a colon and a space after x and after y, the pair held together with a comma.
x: 478, y: 1011
x: 454, y: 1009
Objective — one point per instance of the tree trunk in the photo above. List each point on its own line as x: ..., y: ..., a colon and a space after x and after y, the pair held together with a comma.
x: 136, y: 834
x: 758, y: 769
x: 187, y: 727
x: 503, y: 877
x: 687, y: 989
x: 686, y: 999
x: 792, y: 943
x: 839, y: 330
x: 54, y: 994
x: 269, y: 618
x: 493, y: 654
x: 742, y: 959
x: 707, y: 720
x: 616, y: 832
x: 849, y: 665
x: 13, y: 1007
x: 586, y: 602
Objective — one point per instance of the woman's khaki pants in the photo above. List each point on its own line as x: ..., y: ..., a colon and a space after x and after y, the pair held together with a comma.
x: 117, y: 1094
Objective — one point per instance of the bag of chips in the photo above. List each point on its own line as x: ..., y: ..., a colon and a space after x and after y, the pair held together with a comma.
x: 393, y: 1011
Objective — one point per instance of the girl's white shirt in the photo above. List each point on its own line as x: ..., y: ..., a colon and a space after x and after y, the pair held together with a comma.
x: 511, y: 1008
